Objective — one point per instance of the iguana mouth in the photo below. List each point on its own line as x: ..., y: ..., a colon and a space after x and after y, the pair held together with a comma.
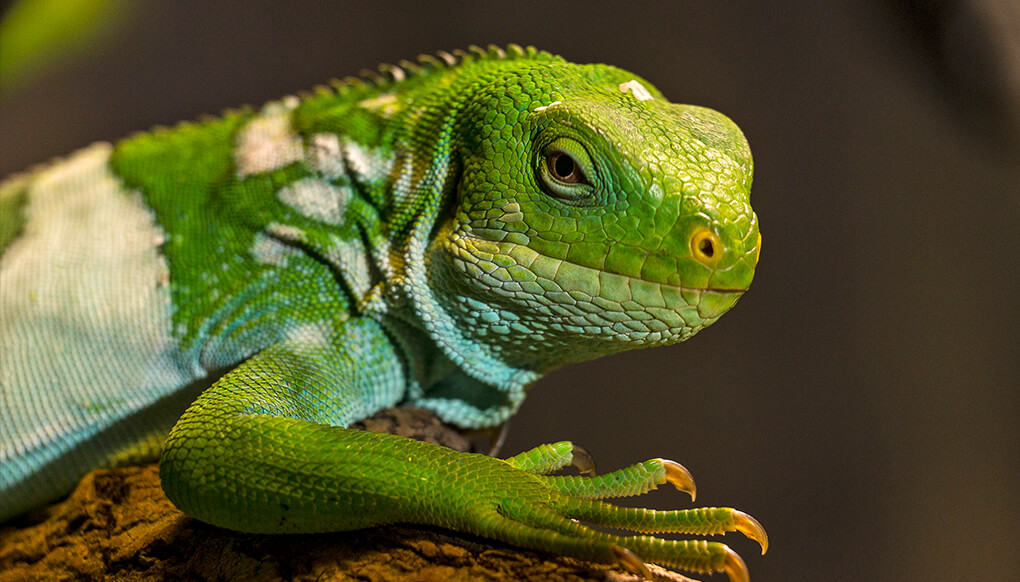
x: 475, y: 252
x: 605, y: 289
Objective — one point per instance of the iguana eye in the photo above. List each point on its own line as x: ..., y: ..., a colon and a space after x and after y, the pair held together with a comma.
x: 563, y: 168
x: 567, y: 171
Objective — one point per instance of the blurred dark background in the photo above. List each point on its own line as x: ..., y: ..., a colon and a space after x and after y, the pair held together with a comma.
x: 861, y: 400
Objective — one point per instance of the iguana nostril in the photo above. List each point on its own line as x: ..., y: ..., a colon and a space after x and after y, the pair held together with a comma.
x: 706, y: 246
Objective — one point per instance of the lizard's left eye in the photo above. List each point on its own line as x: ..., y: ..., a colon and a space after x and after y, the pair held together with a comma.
x: 566, y: 171
x: 564, y: 168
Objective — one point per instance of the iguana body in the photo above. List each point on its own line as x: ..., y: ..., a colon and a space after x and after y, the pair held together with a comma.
x: 441, y: 235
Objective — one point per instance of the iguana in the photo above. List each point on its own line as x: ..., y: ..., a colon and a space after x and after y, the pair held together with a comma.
x: 440, y: 233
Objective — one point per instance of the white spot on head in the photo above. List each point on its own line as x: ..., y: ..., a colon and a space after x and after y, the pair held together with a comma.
x: 544, y: 107
x: 656, y: 192
x: 639, y: 90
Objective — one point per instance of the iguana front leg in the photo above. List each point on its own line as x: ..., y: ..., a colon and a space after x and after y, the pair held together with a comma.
x: 265, y: 450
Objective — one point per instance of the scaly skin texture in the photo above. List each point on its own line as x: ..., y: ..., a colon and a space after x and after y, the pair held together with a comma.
x: 440, y: 235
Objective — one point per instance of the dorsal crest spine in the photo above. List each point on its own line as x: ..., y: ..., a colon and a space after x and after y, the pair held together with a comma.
x: 388, y: 74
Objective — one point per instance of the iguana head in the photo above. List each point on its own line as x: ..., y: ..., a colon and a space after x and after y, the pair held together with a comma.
x: 592, y: 216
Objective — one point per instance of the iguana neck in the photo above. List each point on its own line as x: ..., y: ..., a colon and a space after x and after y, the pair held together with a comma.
x: 462, y: 368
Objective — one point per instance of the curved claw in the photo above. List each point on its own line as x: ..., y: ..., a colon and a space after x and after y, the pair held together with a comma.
x: 582, y: 461
x: 750, y: 527
x: 735, y: 568
x: 679, y: 477
x: 631, y: 562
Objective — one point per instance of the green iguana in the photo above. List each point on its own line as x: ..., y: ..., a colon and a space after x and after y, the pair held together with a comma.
x: 438, y: 234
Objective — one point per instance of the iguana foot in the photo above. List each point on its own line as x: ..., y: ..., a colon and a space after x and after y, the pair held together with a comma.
x: 554, y: 513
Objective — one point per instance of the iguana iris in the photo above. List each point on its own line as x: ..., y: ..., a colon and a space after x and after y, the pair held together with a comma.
x: 439, y: 234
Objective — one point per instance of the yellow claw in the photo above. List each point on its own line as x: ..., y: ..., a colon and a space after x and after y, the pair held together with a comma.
x: 750, y: 527
x: 679, y: 477
x: 735, y: 568
x: 631, y: 562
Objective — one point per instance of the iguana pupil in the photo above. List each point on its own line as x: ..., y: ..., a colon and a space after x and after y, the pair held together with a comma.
x: 565, y: 169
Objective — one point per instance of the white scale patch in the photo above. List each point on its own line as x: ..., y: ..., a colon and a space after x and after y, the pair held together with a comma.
x: 316, y: 199
x: 655, y: 191
x: 286, y: 232
x: 86, y: 311
x: 635, y: 87
x: 325, y: 156
x: 317, y: 333
x: 332, y: 158
x: 544, y: 107
x: 403, y: 186
x: 267, y: 142
x: 369, y: 165
x: 269, y: 251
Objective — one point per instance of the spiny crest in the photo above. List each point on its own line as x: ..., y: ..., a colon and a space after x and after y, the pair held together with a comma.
x: 389, y: 74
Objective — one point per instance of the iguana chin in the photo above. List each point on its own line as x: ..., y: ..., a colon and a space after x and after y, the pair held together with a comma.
x: 440, y: 234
